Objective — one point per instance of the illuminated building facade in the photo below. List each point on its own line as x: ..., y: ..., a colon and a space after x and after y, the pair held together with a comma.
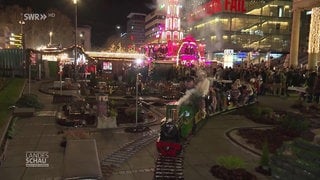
x: 155, y: 23
x: 136, y: 29
x: 300, y: 6
x: 4, y: 37
x: 242, y: 25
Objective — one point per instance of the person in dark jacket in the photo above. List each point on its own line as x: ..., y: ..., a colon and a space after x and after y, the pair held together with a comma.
x: 310, y: 85
x: 316, y: 88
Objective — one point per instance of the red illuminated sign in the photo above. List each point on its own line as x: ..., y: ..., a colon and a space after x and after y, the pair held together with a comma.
x: 234, y: 5
x: 216, y: 6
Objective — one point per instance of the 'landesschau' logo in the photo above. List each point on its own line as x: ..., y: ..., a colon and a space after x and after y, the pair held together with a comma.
x: 37, y: 159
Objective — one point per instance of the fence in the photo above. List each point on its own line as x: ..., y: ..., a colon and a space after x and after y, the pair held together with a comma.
x: 12, y: 63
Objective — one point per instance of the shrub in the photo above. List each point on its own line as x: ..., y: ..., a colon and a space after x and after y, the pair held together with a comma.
x: 93, y: 80
x: 113, y: 112
x: 264, y: 161
x: 231, y: 162
x: 254, y: 112
x: 11, y: 129
x: 266, y: 111
x: 29, y: 100
x: 294, y: 122
x: 259, y: 114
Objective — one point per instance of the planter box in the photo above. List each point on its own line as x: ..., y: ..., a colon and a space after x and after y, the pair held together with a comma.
x: 24, y: 112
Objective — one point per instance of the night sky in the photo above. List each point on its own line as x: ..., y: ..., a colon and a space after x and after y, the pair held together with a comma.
x: 102, y: 15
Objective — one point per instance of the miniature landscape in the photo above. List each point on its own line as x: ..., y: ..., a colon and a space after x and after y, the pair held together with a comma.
x: 274, y: 141
x: 286, y: 142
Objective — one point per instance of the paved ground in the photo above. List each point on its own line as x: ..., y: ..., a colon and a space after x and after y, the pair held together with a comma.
x: 40, y: 133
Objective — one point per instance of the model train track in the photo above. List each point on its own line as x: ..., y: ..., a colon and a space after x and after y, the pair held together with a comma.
x: 114, y: 160
x: 157, y: 112
x: 170, y: 168
x: 110, y: 163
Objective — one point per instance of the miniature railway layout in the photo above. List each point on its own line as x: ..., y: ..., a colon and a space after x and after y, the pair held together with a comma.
x: 111, y: 162
x: 165, y: 167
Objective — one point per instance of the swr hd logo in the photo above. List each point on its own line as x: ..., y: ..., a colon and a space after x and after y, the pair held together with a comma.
x: 37, y: 159
x: 37, y: 16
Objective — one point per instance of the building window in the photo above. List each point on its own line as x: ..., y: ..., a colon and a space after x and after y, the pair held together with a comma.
x: 280, y: 11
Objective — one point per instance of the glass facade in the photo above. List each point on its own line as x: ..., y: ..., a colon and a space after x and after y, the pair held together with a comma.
x: 242, y: 25
x: 136, y: 28
x: 154, y: 26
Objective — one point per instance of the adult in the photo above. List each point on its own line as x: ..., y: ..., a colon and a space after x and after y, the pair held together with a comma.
x: 311, y: 78
x: 316, y: 88
x: 277, y: 86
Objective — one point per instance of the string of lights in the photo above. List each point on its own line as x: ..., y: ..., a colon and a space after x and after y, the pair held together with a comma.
x: 314, y: 36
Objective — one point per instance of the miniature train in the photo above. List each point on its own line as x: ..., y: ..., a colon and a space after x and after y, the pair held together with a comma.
x: 184, y: 119
x: 180, y: 122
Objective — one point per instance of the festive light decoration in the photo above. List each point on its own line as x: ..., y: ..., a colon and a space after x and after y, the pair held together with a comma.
x: 172, y: 30
x: 116, y: 55
x: 173, y: 47
x: 314, y: 35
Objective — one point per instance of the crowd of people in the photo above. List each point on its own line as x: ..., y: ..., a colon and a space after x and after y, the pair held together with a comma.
x: 239, y: 86
x: 273, y: 81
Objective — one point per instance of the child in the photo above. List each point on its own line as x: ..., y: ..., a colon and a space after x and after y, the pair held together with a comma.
x: 235, y: 94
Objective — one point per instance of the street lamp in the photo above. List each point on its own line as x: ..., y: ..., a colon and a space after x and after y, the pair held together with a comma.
x: 138, y: 63
x: 137, y: 128
x: 118, y: 30
x: 50, y: 38
x: 137, y: 96
x: 75, y: 2
x: 81, y: 39
x: 22, y: 23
